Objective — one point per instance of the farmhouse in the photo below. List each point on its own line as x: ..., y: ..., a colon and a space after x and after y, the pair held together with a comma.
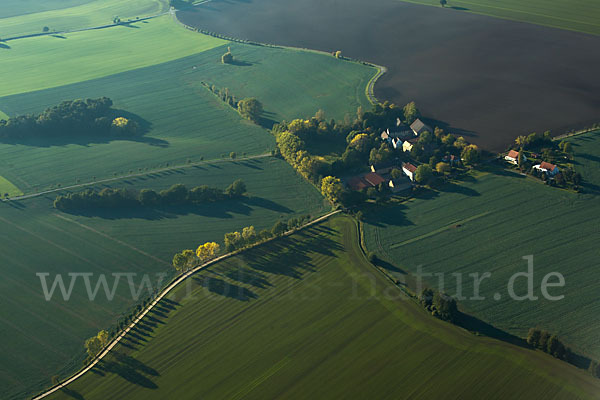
x: 409, y: 170
x: 374, y: 179
x: 513, y: 157
x: 548, y: 168
x: 397, y: 134
x: 384, y: 168
x: 419, y: 127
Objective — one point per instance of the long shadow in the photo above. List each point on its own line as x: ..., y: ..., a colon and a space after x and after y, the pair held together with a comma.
x: 131, y: 370
x: 249, y: 277
x: 392, y: 215
x: 450, y: 187
x: 459, y: 8
x: 474, y: 324
x: 240, y: 63
x: 223, y: 288
x: 266, y: 204
x: 4, y: 46
x: 590, y: 157
x: 72, y: 393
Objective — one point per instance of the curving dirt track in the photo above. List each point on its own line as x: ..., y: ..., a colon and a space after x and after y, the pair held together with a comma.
x: 489, y: 78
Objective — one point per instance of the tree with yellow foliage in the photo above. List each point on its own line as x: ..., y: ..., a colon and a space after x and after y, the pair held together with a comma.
x: 207, y: 251
x: 96, y: 343
x: 332, y: 188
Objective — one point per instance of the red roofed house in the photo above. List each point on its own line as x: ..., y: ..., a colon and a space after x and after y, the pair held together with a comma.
x: 548, y: 168
x: 358, y: 183
x: 409, y: 170
x: 513, y: 157
x: 374, y: 178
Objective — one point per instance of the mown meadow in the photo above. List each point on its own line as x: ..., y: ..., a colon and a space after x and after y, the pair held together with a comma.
x: 487, y: 223
x: 307, y: 317
x: 41, y: 339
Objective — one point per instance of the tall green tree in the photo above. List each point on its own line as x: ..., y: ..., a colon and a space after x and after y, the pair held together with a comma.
x: 251, y: 109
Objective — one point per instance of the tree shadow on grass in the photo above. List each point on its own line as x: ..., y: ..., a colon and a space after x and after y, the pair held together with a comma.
x: 222, y: 210
x: 4, y: 46
x: 224, y: 288
x: 450, y: 187
x: 72, y: 393
x: 249, y: 277
x: 130, y: 369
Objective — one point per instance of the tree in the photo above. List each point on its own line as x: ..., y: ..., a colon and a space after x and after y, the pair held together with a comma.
x: 543, y: 342
x: 182, y: 261
x: 176, y: 194
x: 443, y: 3
x: 332, y: 188
x: 533, y: 337
x: 227, y: 58
x: 232, y: 240
x: 148, y: 198
x: 423, y: 173
x: 443, y: 168
x: 396, y: 173
x: 250, y: 108
x: 445, y: 306
x: 521, y: 141
x: 470, y: 154
x: 411, y: 113
x: 520, y: 159
x: 233, y: 155
x: 426, y: 297
x: 207, y: 251
x: 568, y: 148
x: 236, y: 189
x: 45, y: 29
x: 249, y: 234
x: 96, y: 343
x: 279, y: 228
x: 338, y: 54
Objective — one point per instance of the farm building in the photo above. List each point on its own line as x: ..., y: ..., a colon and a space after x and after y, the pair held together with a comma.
x: 513, y: 157
x: 548, y: 168
x: 409, y: 170
x: 374, y: 178
x: 358, y: 183
x: 419, y: 127
x: 397, y: 134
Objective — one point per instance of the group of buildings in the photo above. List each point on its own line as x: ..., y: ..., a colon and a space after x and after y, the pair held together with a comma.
x: 401, y: 137
x: 549, y: 169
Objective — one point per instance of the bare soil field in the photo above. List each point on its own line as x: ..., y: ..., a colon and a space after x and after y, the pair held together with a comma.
x: 488, y: 78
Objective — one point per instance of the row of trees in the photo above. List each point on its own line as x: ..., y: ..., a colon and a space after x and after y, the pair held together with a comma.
x: 224, y: 94
x: 548, y: 343
x: 70, y: 118
x: 177, y: 194
x: 249, y: 236
x: 440, y: 304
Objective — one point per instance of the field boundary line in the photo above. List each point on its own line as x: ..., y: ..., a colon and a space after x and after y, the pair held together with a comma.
x: 89, y: 228
x: 135, y: 175
x: 440, y: 230
x: 163, y: 293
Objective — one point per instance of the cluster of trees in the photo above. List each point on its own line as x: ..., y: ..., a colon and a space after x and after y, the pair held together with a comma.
x: 177, y: 194
x: 594, y: 369
x: 548, y: 343
x: 535, y: 141
x: 188, y: 259
x: 95, y: 344
x: 248, y: 236
x: 227, y: 58
x: 440, y: 304
x: 251, y: 109
x: 223, y: 94
x: 70, y: 118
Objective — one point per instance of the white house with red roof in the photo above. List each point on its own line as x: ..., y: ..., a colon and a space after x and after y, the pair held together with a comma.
x: 513, y: 157
x: 409, y: 170
x: 548, y: 168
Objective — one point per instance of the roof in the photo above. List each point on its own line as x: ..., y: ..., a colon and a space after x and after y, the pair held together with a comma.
x: 374, y: 178
x: 412, y: 140
x: 547, y: 166
x: 409, y: 167
x: 384, y: 135
x: 419, y: 126
x: 358, y: 183
x: 513, y: 154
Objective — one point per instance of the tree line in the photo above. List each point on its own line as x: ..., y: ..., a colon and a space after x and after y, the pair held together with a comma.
x: 176, y: 195
x: 70, y: 118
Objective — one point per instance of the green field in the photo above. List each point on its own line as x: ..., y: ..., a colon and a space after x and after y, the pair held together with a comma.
x: 575, y: 15
x: 44, y: 338
x: 11, y: 8
x: 487, y: 224
x: 307, y: 317
x: 186, y: 121
x: 7, y: 187
x: 587, y: 159
x: 71, y: 15
x: 44, y: 62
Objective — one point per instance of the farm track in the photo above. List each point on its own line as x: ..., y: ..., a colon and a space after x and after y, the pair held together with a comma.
x: 180, y: 279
